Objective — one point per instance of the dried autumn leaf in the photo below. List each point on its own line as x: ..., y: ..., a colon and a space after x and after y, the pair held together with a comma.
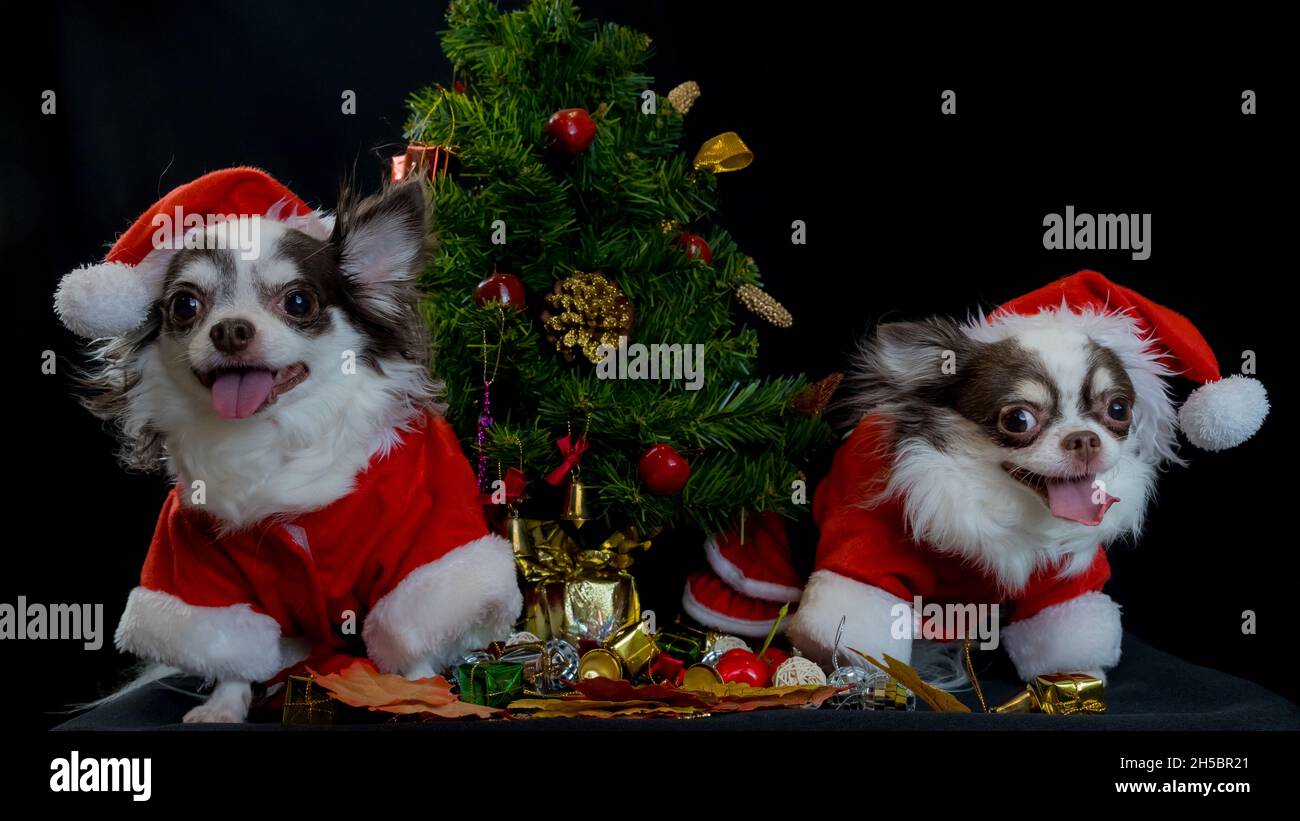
x: 570, y: 704
x: 619, y: 697
x: 359, y: 685
x: 609, y: 689
x: 590, y: 708
x: 636, y: 712
x: 763, y: 698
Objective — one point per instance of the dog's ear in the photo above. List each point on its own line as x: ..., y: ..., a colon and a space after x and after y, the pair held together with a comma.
x: 906, y: 361
x: 383, y: 240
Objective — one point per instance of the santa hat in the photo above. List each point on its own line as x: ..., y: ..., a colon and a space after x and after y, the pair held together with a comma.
x: 748, y: 579
x: 113, y: 298
x: 712, y: 603
x: 1220, y: 414
x: 760, y: 565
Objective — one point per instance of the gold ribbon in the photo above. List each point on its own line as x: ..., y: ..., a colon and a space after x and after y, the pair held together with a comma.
x: 555, y: 556
x: 565, y: 582
x: 725, y: 152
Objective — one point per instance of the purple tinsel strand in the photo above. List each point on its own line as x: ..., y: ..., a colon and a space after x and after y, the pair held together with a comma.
x: 484, y: 422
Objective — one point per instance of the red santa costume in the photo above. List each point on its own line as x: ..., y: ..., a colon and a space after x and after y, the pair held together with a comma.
x: 406, y: 554
x: 869, y: 566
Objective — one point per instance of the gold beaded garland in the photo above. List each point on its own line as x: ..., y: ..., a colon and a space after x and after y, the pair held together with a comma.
x: 763, y: 304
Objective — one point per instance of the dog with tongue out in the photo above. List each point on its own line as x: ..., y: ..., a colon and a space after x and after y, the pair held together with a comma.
x: 283, y: 384
x: 993, y: 461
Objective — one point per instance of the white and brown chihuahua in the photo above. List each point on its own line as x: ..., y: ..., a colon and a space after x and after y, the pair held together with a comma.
x: 293, y: 385
x: 993, y: 460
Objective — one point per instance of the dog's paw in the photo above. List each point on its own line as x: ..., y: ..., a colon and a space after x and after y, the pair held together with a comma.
x: 209, y: 713
x: 228, y: 704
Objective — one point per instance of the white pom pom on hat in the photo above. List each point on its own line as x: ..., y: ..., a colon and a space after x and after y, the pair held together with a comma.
x: 108, y: 299
x: 1221, y: 413
x: 113, y: 298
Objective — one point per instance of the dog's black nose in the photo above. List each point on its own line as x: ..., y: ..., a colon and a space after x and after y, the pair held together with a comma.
x: 1082, y: 445
x: 232, y: 335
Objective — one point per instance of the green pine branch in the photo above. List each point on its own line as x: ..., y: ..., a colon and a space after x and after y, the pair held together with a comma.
x: 603, y: 210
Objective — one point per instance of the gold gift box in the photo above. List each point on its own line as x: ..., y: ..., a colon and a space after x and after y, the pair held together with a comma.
x: 592, y: 608
x: 305, y: 703
x: 1059, y: 694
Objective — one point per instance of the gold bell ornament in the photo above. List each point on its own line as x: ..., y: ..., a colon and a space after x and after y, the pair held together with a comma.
x: 577, y: 507
x: 518, y: 532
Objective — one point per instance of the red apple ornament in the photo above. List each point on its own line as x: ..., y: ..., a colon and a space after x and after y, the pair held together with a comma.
x: 507, y: 289
x: 743, y: 667
x: 695, y: 247
x: 571, y: 130
x: 663, y: 470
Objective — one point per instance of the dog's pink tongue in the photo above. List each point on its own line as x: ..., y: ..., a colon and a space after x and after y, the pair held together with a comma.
x: 238, y: 394
x: 1076, y: 500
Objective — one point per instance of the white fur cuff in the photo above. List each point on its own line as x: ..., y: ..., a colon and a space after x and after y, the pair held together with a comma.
x: 219, y: 643
x: 1079, y: 635
x: 721, y: 621
x: 461, y: 602
x: 738, y: 581
x: 869, y: 614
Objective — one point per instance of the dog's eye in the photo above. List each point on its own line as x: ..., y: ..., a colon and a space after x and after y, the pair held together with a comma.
x: 185, y: 307
x: 1118, y: 410
x: 298, y: 303
x: 1018, y: 421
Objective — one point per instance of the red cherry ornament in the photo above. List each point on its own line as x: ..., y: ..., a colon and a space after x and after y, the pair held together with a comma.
x: 507, y: 289
x: 663, y: 470
x: 773, y: 656
x: 695, y: 247
x: 742, y: 666
x: 571, y: 130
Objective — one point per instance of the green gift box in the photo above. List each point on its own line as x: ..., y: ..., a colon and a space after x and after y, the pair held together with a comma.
x: 683, y: 643
x: 490, y: 683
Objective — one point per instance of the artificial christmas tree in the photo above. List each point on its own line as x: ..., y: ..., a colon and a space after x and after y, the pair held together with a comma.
x: 569, y: 175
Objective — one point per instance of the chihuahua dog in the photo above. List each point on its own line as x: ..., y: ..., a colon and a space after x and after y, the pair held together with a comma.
x: 993, y: 460
x: 287, y: 395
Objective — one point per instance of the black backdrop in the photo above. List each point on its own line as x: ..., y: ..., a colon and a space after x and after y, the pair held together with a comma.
x: 910, y: 213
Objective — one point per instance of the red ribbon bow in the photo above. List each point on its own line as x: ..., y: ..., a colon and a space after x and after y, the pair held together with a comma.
x: 572, y: 450
x: 514, y: 481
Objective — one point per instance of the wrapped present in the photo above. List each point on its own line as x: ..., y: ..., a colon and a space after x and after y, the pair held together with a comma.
x: 490, y: 683
x: 419, y: 160
x: 1059, y: 694
x: 549, y: 667
x: 577, y: 594
x: 581, y: 607
x: 306, y: 703
x: 667, y: 669
x: 683, y: 642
